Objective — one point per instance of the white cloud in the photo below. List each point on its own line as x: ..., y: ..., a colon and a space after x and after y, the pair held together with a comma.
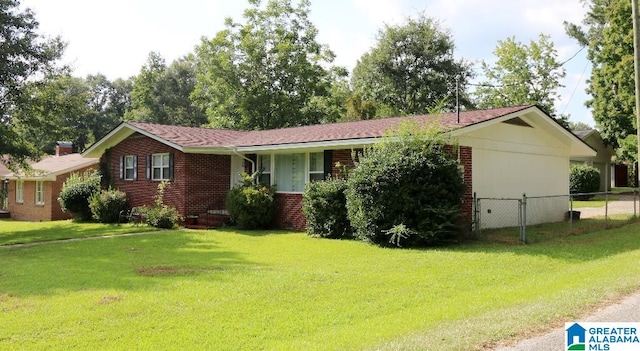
x: 381, y: 12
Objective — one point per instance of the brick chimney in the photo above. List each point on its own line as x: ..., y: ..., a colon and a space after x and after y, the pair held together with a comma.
x: 64, y: 148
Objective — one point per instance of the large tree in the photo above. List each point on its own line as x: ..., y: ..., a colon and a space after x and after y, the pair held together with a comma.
x: 161, y: 93
x: 108, y: 103
x: 411, y: 69
x: 23, y: 54
x: 58, y: 109
x: 607, y: 32
x: 266, y: 72
x: 522, y: 74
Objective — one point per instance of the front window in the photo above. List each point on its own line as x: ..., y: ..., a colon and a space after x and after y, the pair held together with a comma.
x: 160, y: 167
x: 129, y: 167
x: 20, y: 191
x: 39, y: 193
x: 290, y: 172
x: 316, y: 166
x: 264, y: 164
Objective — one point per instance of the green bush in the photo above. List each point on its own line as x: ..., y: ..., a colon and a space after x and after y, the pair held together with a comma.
x: 106, y: 205
x: 324, y: 205
x: 406, y: 191
x: 161, y: 215
x: 251, y: 205
x: 583, y: 179
x: 76, y: 193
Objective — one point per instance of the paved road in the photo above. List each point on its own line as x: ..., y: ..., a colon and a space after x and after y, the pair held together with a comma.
x: 625, y: 310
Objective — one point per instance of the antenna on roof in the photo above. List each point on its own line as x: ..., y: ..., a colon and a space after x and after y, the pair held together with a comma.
x: 458, y: 98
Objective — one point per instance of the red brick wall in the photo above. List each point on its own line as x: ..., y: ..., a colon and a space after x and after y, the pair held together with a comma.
x: 27, y: 210
x: 55, y: 187
x: 200, y: 181
x: 208, y: 180
x: 345, y: 157
x: 290, y: 211
x: 466, y: 154
x: 50, y: 211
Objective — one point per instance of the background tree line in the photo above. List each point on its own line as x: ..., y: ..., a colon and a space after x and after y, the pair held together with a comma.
x: 266, y: 70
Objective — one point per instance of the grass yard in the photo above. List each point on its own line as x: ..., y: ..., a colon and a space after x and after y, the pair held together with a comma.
x: 234, y: 290
x: 18, y: 232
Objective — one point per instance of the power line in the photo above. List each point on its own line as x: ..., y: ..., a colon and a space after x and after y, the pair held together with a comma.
x: 575, y: 88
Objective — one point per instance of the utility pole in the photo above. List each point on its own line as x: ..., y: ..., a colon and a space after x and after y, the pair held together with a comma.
x: 636, y: 65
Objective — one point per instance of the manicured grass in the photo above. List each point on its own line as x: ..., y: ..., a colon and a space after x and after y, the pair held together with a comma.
x: 596, y: 201
x: 549, y: 232
x: 233, y: 290
x: 18, y: 232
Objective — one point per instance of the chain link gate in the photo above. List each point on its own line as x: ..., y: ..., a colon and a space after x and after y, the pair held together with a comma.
x: 499, y: 213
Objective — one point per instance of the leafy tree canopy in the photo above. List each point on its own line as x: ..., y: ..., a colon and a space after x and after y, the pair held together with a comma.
x: 23, y: 55
x: 266, y: 72
x: 161, y: 93
x: 522, y: 75
x: 607, y: 32
x: 410, y: 70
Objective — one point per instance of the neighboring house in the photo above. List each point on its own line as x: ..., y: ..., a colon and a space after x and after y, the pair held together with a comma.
x: 504, y: 152
x: 602, y: 159
x: 34, y: 196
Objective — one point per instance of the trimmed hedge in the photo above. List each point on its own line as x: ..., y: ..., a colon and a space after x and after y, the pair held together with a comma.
x: 76, y: 193
x: 251, y: 205
x: 324, y: 205
x: 406, y: 191
x: 106, y: 205
x: 584, y: 179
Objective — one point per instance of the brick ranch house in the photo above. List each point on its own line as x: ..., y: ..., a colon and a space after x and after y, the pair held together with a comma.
x: 34, y: 196
x: 504, y: 152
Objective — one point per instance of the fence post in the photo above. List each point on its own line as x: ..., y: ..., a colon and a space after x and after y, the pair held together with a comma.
x: 606, y: 210
x: 523, y: 214
x: 635, y: 195
x: 570, y: 213
x: 476, y: 216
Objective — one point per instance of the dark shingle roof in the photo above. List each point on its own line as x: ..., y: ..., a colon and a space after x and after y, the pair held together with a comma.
x: 208, y: 137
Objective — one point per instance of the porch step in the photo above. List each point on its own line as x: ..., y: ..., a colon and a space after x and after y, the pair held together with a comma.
x: 208, y: 221
x: 5, y: 214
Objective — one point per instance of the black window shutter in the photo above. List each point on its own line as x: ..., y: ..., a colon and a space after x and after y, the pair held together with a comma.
x: 135, y: 167
x: 328, y: 163
x: 121, y: 167
x: 171, y: 166
x: 148, y: 167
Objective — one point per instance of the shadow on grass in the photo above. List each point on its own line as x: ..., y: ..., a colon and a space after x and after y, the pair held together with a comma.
x: 588, y: 239
x: 17, y: 232
x: 255, y: 232
x: 122, y: 263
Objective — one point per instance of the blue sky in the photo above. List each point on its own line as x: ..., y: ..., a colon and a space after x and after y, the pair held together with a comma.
x: 115, y: 37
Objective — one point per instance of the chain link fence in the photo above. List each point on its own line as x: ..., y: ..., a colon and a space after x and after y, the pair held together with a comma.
x: 528, y: 211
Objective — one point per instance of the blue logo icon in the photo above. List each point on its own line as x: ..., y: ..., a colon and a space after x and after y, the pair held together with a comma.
x: 576, y: 337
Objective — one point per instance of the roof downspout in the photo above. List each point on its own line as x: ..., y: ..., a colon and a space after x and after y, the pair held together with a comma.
x: 253, y: 163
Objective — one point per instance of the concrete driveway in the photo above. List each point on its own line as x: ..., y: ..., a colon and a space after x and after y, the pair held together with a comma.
x: 624, y: 204
x: 626, y: 309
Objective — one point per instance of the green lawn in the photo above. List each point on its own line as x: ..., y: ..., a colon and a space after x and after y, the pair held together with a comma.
x: 18, y: 232
x: 234, y: 290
